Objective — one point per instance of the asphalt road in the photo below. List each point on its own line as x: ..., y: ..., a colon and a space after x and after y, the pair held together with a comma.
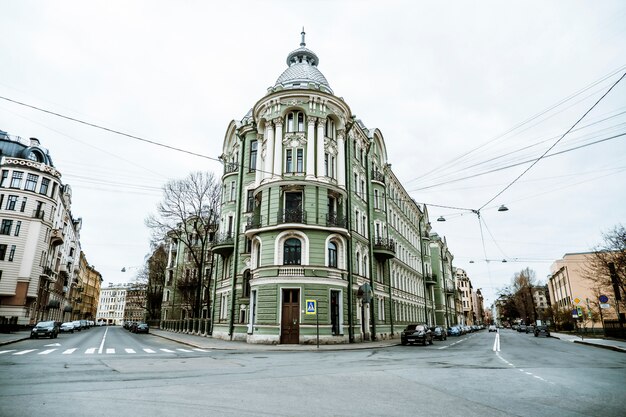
x: 111, y: 372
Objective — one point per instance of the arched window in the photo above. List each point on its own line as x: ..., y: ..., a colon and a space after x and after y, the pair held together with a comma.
x: 365, y: 274
x: 332, y: 255
x: 295, y: 121
x: 292, y: 252
x: 245, y: 291
x: 330, y: 128
x: 358, y: 263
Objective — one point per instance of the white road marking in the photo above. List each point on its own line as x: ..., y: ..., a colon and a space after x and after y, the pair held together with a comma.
x: 90, y: 351
x: 130, y: 350
x: 496, y: 343
x: 149, y: 351
x: 69, y: 351
x: 103, y: 339
x: 184, y: 350
x: 53, y: 344
x: 110, y: 351
x: 167, y: 350
x: 45, y: 352
x: 6, y: 351
x: 25, y: 352
x: 200, y: 350
x: 443, y: 347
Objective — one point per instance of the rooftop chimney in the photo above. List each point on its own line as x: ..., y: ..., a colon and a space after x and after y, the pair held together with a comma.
x: 34, y: 142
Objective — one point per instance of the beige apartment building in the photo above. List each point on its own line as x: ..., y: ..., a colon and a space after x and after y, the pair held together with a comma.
x: 569, y: 289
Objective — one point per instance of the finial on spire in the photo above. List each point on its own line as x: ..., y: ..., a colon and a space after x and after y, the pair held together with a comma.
x: 302, y: 33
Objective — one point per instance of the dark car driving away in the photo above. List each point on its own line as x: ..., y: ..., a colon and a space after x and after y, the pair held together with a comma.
x: 439, y: 333
x: 417, y: 333
x: 542, y: 330
x: 45, y: 328
x: 141, y: 328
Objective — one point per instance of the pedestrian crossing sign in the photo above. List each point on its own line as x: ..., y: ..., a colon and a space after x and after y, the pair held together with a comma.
x: 311, y: 306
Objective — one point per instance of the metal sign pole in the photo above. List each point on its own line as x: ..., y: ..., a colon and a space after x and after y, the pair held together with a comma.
x: 317, y: 322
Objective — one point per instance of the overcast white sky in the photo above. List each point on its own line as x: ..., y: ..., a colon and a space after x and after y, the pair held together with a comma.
x: 439, y: 80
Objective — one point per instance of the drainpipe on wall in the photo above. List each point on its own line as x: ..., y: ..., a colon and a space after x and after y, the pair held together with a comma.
x: 348, y: 169
x: 236, y: 231
x: 370, y: 215
x: 419, y: 229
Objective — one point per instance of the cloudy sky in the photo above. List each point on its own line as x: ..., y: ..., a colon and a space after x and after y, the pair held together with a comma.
x: 467, y: 94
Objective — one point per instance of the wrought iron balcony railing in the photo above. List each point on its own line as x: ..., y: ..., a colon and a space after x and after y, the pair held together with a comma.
x: 292, y: 216
x: 378, y: 176
x: 385, y: 244
x: 334, y: 220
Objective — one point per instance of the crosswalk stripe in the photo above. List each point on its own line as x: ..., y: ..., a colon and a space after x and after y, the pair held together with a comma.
x: 45, y: 352
x: 200, y: 350
x: 110, y: 351
x: 6, y: 351
x: 25, y: 352
x: 130, y: 350
x: 149, y: 351
x: 90, y: 351
x: 69, y: 351
x: 167, y: 350
x: 184, y: 350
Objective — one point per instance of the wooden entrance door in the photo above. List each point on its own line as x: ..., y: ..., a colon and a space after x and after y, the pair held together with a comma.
x: 290, y: 319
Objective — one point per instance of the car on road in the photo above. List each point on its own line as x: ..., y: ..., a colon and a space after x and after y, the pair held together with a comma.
x: 77, y: 325
x: 522, y: 328
x: 414, y: 333
x: 68, y: 327
x: 454, y: 331
x: 141, y: 328
x: 439, y: 333
x: 493, y: 328
x: 46, y: 329
x: 542, y: 330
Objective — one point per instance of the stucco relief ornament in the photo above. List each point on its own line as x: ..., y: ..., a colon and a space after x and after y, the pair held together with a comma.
x: 330, y: 146
x: 293, y: 102
x: 264, y: 149
x: 294, y: 140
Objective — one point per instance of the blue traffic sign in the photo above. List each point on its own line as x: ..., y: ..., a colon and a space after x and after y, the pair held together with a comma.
x: 604, y: 299
x: 311, y: 306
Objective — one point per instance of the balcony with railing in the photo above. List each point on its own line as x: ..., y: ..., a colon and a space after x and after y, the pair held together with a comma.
x: 292, y: 216
x: 254, y: 222
x: 56, y: 237
x: 430, y: 279
x: 224, y: 244
x: 378, y: 176
x: 384, y: 248
x: 230, y: 167
x: 49, y: 274
x: 334, y: 220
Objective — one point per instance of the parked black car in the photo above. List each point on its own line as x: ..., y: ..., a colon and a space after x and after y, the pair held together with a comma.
x: 141, y: 328
x: 542, y: 330
x: 45, y: 328
x: 417, y: 333
x: 439, y: 333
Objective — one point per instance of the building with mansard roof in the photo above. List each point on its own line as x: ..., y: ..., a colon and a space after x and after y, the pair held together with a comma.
x: 39, y: 237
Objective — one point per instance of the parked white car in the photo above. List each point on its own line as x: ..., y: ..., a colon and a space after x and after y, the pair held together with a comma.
x: 67, y: 327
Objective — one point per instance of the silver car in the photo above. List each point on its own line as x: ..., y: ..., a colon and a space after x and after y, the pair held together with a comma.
x: 67, y: 327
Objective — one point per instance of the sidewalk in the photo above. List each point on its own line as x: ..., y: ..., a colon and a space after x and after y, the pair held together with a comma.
x: 203, y: 342
x: 7, y: 338
x: 617, y: 345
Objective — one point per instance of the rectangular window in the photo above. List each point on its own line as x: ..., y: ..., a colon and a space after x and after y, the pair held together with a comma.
x: 250, y: 201
x: 363, y: 225
x: 18, y: 226
x: 326, y: 168
x: 1, y: 199
x: 5, y: 176
x: 43, y: 189
x: 5, y: 229
x: 16, y: 180
x: 54, y: 190
x: 376, y: 201
x: 289, y: 161
x: 11, y: 202
x: 363, y: 189
x: 358, y: 215
x: 232, y: 191
x: 31, y: 182
x: 300, y: 160
x: 332, y: 167
x: 253, y: 154
x: 23, y: 207
x: 3, y: 251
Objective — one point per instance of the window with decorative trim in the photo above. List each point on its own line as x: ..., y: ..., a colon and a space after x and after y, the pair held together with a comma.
x: 332, y: 254
x: 295, y: 121
x: 253, y: 155
x: 292, y: 252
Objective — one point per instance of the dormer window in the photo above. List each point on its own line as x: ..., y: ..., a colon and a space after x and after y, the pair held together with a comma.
x: 295, y: 121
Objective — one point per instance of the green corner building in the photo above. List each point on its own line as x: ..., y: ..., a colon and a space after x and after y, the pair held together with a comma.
x: 318, y: 239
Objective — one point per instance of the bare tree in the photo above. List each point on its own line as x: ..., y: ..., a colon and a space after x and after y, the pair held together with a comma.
x: 610, y: 255
x: 523, y: 283
x: 152, y: 275
x: 187, y: 215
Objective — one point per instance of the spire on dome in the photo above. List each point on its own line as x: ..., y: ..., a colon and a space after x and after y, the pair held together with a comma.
x: 303, y: 33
